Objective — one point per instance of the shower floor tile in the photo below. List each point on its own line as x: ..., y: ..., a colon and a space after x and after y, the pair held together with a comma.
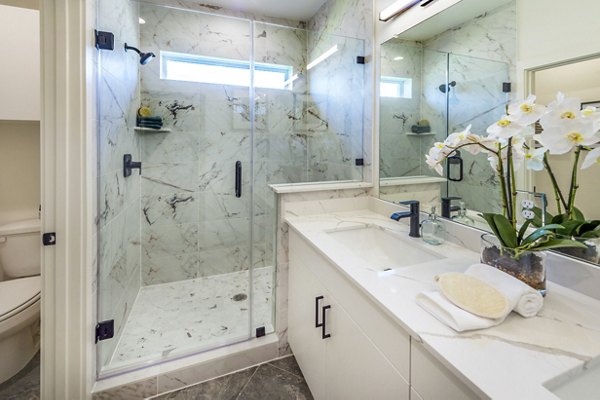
x: 173, y: 319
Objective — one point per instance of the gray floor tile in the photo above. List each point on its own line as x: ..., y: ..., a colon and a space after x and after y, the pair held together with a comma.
x: 272, y: 383
x: 25, y: 385
x: 288, y: 364
x: 227, y: 387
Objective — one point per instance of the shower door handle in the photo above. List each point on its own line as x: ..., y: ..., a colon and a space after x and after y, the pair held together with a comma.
x: 238, y: 179
x: 317, y: 300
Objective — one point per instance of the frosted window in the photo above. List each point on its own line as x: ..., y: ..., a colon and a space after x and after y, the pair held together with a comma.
x: 396, y: 87
x: 222, y: 71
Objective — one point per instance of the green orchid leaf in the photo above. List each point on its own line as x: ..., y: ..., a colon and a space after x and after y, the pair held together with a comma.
x: 578, y: 214
x: 536, y: 235
x: 489, y: 218
x: 591, y: 234
x: 537, y: 220
x: 507, y: 233
x: 552, y: 227
x: 559, y: 243
x: 558, y: 219
x: 569, y: 228
x: 523, y: 230
x: 587, y: 226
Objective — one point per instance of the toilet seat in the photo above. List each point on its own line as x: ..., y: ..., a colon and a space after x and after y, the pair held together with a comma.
x: 18, y: 294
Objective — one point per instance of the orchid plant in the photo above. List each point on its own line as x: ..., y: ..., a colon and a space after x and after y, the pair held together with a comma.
x: 512, y: 142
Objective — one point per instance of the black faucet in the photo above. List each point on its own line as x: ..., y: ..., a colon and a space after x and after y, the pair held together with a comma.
x: 447, y: 207
x: 415, y: 224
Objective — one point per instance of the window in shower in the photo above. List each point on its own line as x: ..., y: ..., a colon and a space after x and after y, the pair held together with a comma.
x: 400, y: 88
x: 222, y: 71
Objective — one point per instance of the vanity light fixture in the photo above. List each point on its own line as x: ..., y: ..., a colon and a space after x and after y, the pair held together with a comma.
x: 399, y: 58
x: 141, y: 20
x: 396, y: 8
x: 323, y: 57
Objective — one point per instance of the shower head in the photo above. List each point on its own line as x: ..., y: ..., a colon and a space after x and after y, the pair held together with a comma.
x: 446, y: 88
x: 145, y: 58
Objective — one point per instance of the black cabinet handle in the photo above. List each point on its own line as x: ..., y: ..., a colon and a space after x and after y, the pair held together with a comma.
x: 317, y: 300
x: 238, y: 179
x: 324, y: 324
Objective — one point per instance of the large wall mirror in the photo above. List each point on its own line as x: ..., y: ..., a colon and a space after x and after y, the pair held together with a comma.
x: 457, y: 69
x: 437, y: 78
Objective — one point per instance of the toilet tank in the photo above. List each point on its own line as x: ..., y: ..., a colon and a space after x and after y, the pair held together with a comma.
x: 20, y: 248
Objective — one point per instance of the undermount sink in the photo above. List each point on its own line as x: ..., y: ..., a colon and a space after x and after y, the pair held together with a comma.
x: 382, y: 248
x: 582, y: 385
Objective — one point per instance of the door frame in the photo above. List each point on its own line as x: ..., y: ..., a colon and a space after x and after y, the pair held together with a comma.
x: 67, y: 198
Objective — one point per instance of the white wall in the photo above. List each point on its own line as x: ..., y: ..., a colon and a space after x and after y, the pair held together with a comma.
x: 19, y: 170
x: 554, y: 30
x: 20, y: 77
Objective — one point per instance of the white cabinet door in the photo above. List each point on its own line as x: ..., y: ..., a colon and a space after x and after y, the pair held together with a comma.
x: 356, y: 368
x: 304, y: 338
x: 434, y: 381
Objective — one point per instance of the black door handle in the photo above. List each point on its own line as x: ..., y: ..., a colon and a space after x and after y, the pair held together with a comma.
x: 238, y: 179
x: 317, y: 300
x: 325, y: 335
x: 455, y: 160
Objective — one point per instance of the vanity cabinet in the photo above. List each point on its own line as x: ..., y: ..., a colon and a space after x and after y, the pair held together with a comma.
x: 348, y: 347
x: 337, y: 357
x: 430, y: 380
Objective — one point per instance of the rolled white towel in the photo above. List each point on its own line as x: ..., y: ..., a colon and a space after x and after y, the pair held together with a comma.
x: 523, y: 299
x: 449, y: 314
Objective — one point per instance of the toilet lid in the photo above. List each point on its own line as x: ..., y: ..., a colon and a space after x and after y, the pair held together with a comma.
x: 17, y: 294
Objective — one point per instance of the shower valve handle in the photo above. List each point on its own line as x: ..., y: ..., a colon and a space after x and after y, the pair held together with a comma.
x: 129, y: 165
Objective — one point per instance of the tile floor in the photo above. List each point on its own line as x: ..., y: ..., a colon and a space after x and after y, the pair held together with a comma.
x: 25, y: 385
x: 276, y: 380
x: 176, y: 318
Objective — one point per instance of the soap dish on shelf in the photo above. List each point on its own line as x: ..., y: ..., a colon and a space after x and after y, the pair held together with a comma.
x: 420, y: 134
x: 161, y: 130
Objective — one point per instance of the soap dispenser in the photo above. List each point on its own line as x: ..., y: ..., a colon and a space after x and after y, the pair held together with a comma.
x: 432, y: 229
x: 462, y: 216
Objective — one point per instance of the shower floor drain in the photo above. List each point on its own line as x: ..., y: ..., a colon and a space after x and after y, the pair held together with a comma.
x: 240, y: 297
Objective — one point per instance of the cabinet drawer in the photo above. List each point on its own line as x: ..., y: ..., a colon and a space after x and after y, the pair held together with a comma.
x: 432, y: 380
x: 385, y: 333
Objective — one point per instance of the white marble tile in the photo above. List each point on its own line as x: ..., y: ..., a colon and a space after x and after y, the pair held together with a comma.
x: 177, y: 318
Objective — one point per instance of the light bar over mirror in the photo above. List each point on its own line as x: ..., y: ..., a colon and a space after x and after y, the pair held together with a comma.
x: 396, y: 8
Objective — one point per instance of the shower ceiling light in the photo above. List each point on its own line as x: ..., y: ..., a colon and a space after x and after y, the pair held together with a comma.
x: 141, y: 20
x: 323, y: 57
x: 399, y: 58
x: 396, y: 8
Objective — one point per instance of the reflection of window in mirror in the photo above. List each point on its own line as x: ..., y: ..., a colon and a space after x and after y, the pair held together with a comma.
x: 581, y: 80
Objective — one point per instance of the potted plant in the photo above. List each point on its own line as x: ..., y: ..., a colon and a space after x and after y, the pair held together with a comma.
x: 510, y: 143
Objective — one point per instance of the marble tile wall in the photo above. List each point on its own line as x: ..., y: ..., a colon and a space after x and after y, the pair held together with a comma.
x: 119, y: 198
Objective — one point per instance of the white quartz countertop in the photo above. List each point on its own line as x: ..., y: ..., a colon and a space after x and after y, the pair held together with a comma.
x: 509, y: 361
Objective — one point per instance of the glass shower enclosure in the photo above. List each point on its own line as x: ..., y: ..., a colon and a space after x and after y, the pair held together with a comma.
x: 228, y: 106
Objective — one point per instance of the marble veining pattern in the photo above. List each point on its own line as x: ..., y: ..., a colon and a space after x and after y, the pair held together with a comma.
x: 180, y: 317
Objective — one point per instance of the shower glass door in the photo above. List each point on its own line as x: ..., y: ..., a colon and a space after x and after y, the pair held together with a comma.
x: 476, y: 99
x: 176, y: 239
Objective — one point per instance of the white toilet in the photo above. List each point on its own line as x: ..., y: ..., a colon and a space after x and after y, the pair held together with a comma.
x: 20, y: 254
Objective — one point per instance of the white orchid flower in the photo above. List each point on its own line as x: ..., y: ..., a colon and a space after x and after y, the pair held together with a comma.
x: 593, y: 114
x: 458, y: 138
x: 526, y: 112
x: 561, y: 138
x: 534, y: 158
x: 518, y: 153
x: 505, y: 128
x: 479, y: 141
x: 435, y: 157
x: 561, y: 109
x: 592, y: 158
